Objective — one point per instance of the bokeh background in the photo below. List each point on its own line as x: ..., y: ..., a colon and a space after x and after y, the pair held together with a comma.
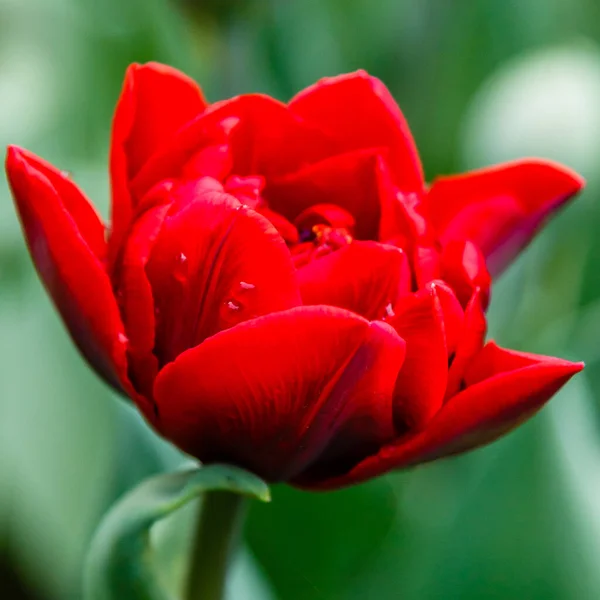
x: 480, y: 81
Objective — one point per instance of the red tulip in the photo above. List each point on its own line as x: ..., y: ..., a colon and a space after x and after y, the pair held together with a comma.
x: 280, y: 290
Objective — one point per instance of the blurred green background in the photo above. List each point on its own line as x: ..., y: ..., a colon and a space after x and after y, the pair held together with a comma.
x: 480, y: 81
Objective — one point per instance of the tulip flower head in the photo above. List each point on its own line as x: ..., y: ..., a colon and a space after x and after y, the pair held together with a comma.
x: 279, y: 288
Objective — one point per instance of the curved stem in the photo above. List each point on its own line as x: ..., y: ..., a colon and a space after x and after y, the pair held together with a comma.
x: 219, y: 526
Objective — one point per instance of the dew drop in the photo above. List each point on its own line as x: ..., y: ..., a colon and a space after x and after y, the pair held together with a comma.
x: 233, y: 305
x: 389, y: 311
x: 231, y: 311
x: 123, y: 339
x: 180, y: 269
x: 238, y: 303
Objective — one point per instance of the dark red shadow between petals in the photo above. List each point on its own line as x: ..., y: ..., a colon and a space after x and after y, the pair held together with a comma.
x: 420, y: 387
x: 516, y: 387
x: 349, y: 180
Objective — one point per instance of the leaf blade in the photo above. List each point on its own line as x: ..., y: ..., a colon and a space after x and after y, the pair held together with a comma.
x: 119, y: 563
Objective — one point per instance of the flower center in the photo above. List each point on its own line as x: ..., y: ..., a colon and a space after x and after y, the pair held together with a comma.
x: 317, y: 231
x: 322, y: 229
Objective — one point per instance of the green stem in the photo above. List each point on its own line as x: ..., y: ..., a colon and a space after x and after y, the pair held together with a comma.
x: 219, y: 526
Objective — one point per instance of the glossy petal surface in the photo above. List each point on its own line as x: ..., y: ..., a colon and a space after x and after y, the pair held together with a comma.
x: 350, y: 181
x: 215, y: 263
x: 271, y: 393
x: 364, y: 277
x: 420, y: 387
x: 357, y: 111
x: 135, y: 295
x: 470, y: 342
x: 510, y: 387
x: 70, y: 270
x: 500, y: 208
x: 155, y: 102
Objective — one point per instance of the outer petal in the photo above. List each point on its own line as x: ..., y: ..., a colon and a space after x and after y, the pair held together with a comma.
x: 271, y: 393
x: 69, y: 269
x: 364, y: 277
x: 357, y: 111
x: 421, y: 385
x: 215, y: 263
x: 351, y: 180
x: 500, y: 208
x: 264, y: 138
x: 514, y: 386
x: 86, y: 219
x: 156, y: 101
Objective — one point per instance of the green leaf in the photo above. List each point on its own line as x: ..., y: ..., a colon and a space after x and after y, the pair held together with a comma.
x: 119, y: 564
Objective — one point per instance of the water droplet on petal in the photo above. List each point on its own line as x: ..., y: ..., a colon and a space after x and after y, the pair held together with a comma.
x: 239, y: 302
x: 389, y: 311
x: 232, y: 311
x: 180, y: 269
x: 123, y: 339
x: 233, y: 305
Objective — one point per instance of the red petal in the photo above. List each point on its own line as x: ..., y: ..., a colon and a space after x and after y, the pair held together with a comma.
x: 271, y: 393
x: 87, y: 220
x: 350, y: 181
x: 469, y: 344
x: 211, y: 161
x: 264, y: 138
x: 364, y: 277
x: 135, y: 293
x: 492, y: 360
x: 357, y: 111
x: 176, y: 159
x: 463, y: 267
x: 453, y: 315
x: 401, y: 221
x: 325, y: 214
x: 500, y: 208
x: 420, y: 388
x: 70, y: 271
x: 156, y: 101
x: 270, y: 140
x: 215, y: 263
x: 426, y: 264
x: 285, y: 229
x: 478, y: 415
x: 248, y: 190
